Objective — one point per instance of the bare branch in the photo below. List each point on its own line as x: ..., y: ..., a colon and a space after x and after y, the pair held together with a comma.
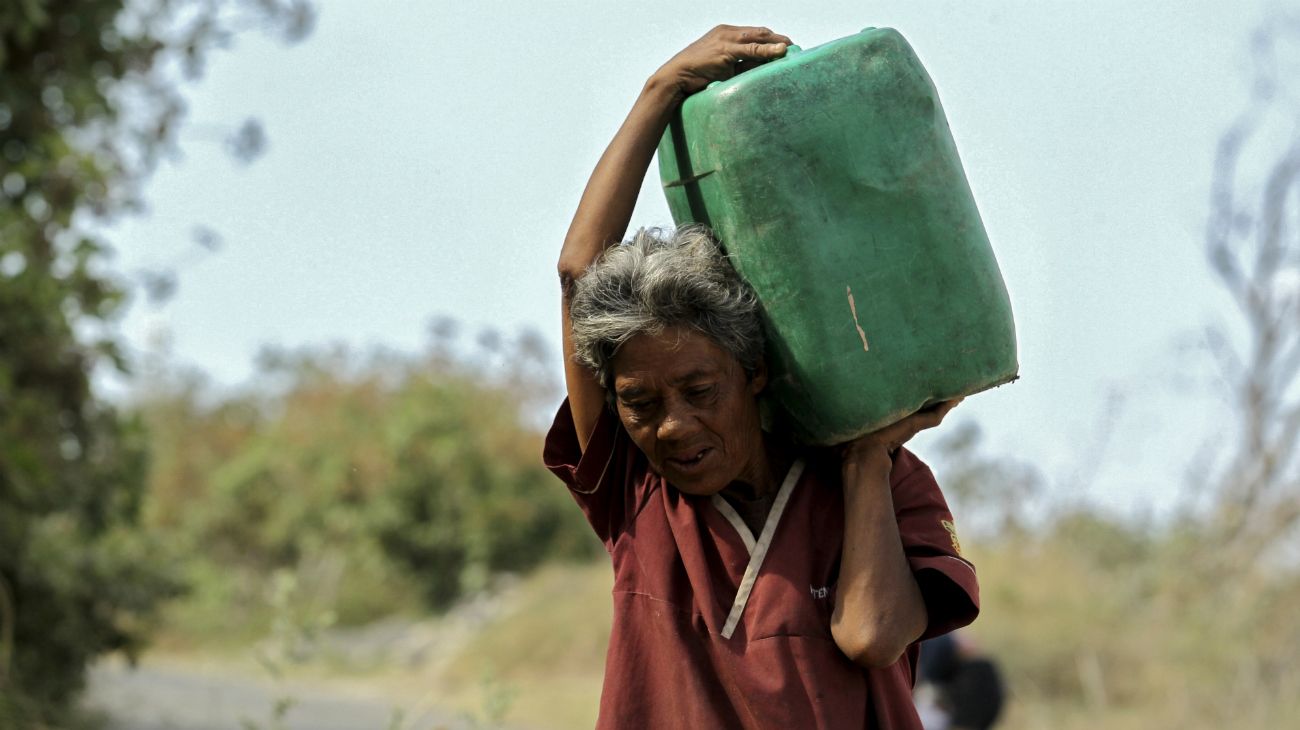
x: 1254, y: 250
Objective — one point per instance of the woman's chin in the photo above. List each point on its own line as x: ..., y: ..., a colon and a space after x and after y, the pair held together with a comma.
x: 701, y: 484
x: 698, y: 489
x: 703, y: 476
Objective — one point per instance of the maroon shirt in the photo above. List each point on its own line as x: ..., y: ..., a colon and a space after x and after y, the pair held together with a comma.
x: 689, y: 648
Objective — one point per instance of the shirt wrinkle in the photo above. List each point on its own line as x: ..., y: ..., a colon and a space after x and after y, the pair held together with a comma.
x: 792, y: 635
x: 676, y: 607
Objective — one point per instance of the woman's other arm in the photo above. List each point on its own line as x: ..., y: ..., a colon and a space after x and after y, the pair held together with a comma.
x: 606, y: 206
x: 879, y: 609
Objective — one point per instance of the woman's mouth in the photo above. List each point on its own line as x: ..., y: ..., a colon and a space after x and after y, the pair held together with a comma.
x: 689, y: 461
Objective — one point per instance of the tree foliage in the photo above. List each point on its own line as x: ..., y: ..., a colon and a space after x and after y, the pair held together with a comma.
x: 88, y: 103
x: 375, y: 479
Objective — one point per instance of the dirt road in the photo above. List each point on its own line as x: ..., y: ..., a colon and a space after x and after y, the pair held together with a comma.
x: 168, y: 697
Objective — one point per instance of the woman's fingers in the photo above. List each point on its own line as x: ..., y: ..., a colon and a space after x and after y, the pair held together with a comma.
x: 927, y: 418
x: 757, y: 44
x: 897, y: 434
x: 753, y: 34
x: 890, y: 438
x: 722, y: 53
x: 756, y: 51
x: 749, y: 43
x: 751, y: 55
x: 930, y: 416
x: 750, y: 62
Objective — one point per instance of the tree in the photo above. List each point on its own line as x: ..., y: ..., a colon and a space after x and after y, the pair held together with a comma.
x: 88, y: 104
x: 468, y: 497
x: 379, y: 482
x: 1239, y: 577
x: 1253, y: 243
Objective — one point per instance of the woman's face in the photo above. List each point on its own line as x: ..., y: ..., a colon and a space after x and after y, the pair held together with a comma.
x: 690, y: 407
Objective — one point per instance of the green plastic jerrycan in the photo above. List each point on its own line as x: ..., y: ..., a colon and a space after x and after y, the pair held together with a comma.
x: 831, y: 178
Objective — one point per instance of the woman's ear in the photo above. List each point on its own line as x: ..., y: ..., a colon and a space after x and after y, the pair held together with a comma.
x: 758, y: 380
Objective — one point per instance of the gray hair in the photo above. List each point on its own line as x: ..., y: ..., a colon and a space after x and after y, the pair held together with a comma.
x: 663, y: 278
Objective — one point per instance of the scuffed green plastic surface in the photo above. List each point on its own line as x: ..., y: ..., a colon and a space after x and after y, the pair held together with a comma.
x: 832, y: 179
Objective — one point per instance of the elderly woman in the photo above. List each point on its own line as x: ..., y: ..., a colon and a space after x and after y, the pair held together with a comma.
x: 757, y: 583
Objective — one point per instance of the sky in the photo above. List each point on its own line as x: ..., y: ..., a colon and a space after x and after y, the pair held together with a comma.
x: 424, y: 159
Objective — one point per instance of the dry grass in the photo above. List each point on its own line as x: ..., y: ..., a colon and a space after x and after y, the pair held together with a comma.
x: 547, y: 652
x: 1086, y: 640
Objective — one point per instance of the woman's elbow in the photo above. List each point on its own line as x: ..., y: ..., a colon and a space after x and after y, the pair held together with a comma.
x: 568, y: 270
x: 874, y: 647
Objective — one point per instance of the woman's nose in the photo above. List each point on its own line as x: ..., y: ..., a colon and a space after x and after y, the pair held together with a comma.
x: 677, y: 424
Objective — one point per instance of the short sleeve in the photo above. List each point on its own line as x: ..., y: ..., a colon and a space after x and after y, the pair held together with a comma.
x: 947, y: 579
x: 607, y: 479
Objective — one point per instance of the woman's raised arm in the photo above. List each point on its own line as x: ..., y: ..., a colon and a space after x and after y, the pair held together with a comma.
x: 606, y: 206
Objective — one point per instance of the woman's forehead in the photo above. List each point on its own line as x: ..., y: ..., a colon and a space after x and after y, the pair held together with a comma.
x: 673, y: 356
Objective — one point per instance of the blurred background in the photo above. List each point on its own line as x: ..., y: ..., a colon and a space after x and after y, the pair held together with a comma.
x: 279, y: 341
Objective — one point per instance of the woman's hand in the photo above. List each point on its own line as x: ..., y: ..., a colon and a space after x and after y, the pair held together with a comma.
x: 878, y: 447
x: 719, y: 55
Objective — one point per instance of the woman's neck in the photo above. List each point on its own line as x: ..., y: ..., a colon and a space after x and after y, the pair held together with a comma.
x: 774, y: 461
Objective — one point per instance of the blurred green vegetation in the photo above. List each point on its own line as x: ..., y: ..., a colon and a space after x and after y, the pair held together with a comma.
x: 76, y: 578
x: 384, y: 483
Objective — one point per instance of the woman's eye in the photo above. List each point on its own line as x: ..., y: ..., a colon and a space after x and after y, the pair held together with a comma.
x: 700, y: 391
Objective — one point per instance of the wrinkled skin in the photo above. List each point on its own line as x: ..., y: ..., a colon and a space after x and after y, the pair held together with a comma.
x: 693, y: 411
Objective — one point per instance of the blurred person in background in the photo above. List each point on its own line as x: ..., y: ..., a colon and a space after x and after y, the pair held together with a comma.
x: 758, y: 583
x: 959, y: 688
